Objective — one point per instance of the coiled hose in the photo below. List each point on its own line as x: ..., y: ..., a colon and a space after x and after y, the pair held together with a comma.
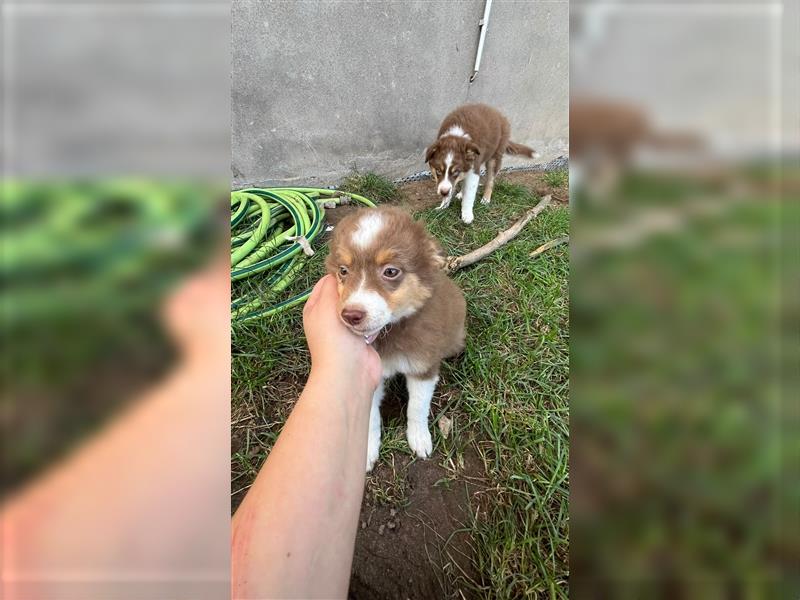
x: 90, y: 249
x: 272, y: 229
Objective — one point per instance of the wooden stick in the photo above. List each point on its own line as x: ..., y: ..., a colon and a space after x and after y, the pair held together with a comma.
x: 550, y: 244
x: 454, y: 263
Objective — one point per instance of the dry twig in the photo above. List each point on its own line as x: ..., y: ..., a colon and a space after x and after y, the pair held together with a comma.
x: 454, y: 263
x: 550, y: 244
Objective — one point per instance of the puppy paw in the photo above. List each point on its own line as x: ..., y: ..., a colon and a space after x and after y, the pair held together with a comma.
x: 419, y: 439
x: 443, y: 205
x: 486, y: 200
x: 467, y: 219
x: 459, y: 195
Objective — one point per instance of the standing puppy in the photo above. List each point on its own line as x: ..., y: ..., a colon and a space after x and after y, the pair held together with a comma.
x: 471, y: 136
x: 394, y: 293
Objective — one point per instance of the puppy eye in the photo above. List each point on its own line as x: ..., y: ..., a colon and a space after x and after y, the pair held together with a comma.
x: 343, y: 271
x: 391, y: 272
x: 455, y: 172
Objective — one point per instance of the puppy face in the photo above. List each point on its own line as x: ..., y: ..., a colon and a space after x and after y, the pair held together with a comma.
x: 385, y: 264
x: 450, y: 158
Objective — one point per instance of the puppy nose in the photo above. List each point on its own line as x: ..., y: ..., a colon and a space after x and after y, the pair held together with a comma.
x: 444, y: 192
x: 353, y: 316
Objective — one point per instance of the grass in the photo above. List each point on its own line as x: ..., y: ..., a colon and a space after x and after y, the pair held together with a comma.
x: 375, y: 187
x: 507, y: 395
x: 557, y: 178
x: 679, y: 406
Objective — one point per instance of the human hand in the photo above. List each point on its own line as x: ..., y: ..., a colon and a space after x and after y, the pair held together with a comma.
x: 197, y: 314
x: 334, y: 348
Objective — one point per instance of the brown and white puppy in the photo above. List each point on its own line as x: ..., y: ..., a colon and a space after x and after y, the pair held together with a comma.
x: 394, y: 293
x: 471, y: 136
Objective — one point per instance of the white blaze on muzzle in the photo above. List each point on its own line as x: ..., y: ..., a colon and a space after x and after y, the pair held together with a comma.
x: 377, y: 311
x: 445, y: 185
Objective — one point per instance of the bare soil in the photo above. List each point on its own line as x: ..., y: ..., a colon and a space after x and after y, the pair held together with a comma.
x: 404, y: 552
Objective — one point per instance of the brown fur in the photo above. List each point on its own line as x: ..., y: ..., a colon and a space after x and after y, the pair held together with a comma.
x: 436, y: 328
x: 489, y: 133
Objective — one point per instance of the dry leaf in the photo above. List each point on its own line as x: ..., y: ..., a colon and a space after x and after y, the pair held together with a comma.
x: 445, y: 425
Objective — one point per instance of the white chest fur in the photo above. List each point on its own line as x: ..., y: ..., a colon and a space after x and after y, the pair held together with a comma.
x: 400, y: 363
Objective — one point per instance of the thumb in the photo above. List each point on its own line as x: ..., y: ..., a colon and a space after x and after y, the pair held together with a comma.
x: 316, y: 294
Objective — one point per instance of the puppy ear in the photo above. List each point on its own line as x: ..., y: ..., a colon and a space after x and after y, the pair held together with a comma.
x: 472, y: 151
x: 430, y: 151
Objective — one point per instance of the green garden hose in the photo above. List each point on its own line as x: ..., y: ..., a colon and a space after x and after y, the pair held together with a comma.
x: 269, y: 229
x: 95, y: 248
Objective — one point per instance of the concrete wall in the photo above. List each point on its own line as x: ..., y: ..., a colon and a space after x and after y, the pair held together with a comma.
x: 115, y: 88
x: 319, y: 87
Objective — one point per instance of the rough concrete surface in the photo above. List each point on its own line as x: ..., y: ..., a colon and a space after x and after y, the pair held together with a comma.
x: 115, y: 88
x: 321, y: 87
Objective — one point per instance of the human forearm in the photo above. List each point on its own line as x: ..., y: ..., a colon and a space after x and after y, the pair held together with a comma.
x: 301, y: 514
x: 126, y: 505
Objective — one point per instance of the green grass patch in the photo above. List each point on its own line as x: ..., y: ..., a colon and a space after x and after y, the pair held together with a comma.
x: 375, y: 187
x: 512, y: 387
x: 556, y: 178
x: 679, y: 345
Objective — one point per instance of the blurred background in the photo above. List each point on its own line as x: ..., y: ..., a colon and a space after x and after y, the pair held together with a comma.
x: 115, y: 153
x: 115, y: 135
x: 685, y: 181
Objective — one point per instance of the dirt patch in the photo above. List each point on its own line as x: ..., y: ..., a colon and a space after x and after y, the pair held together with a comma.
x: 407, y: 552
x: 534, y: 180
x: 421, y: 195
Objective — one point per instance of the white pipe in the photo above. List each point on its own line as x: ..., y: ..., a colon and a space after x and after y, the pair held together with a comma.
x: 483, y: 24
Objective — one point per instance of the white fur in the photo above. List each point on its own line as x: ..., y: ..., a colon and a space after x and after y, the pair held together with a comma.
x: 456, y: 131
x: 399, y: 363
x: 369, y: 226
x: 420, y: 393
x: 470, y: 190
x: 378, y: 313
x: 374, y: 436
x: 445, y: 186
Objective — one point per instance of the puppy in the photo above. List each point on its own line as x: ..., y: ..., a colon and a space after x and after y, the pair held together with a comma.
x: 394, y: 293
x: 471, y: 136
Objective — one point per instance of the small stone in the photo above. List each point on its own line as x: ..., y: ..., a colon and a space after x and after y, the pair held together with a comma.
x: 390, y: 525
x: 363, y: 524
x: 380, y: 529
x: 392, y: 512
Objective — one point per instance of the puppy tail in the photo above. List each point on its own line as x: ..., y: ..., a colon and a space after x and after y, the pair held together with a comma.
x: 521, y: 150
